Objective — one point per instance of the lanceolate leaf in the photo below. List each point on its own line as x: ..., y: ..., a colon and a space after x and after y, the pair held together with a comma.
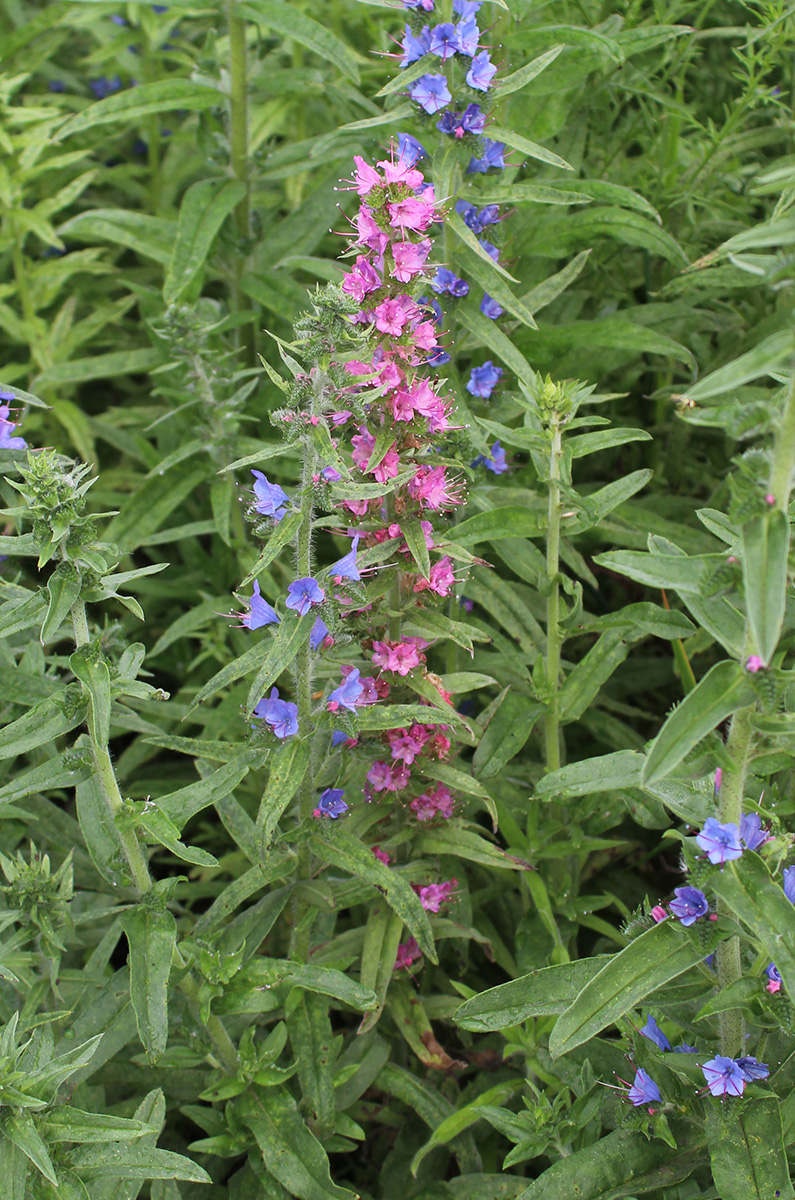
x: 151, y: 936
x: 165, y: 95
x: 205, y: 206
x: 765, y: 542
x: 291, y: 1152
x: 760, y: 903
x: 549, y: 990
x: 288, y: 766
x: 657, y: 956
x: 723, y: 689
x: 747, y: 1150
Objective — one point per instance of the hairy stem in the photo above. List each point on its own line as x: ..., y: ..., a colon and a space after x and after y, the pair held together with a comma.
x: 238, y: 69
x: 552, y: 719
x: 224, y: 1046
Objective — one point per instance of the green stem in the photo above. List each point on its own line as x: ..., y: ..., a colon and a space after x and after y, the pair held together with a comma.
x: 238, y: 69
x: 784, y: 451
x: 224, y: 1046
x: 552, y: 718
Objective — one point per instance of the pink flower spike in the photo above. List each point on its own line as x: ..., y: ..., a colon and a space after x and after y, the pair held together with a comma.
x: 366, y: 176
x: 400, y: 657
x: 409, y: 259
x: 441, y: 578
x: 402, y: 172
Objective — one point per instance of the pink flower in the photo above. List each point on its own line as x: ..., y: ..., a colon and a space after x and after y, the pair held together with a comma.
x: 415, y: 212
x: 402, y: 172
x: 441, y: 578
x: 409, y: 259
x: 754, y: 663
x: 368, y: 231
x: 339, y: 418
x: 407, y: 744
x: 439, y: 746
x: 366, y: 176
x: 659, y: 913
x: 430, y: 487
x: 400, y: 657
x: 381, y: 855
x: 435, y: 802
x: 385, y: 777
x: 435, y: 894
x: 388, y: 466
x: 407, y: 953
x: 391, y: 317
x: 362, y: 279
x: 424, y: 336
x: 363, y: 443
x: 357, y: 507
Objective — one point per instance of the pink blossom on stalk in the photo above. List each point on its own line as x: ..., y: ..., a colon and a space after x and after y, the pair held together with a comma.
x: 381, y: 855
x: 406, y: 744
x: 414, y: 212
x: 366, y: 176
x: 440, y: 580
x: 385, y: 777
x: 409, y: 259
x: 362, y: 279
x: 369, y: 232
x: 439, y: 746
x: 388, y: 466
x: 659, y: 913
x: 754, y: 663
x: 435, y: 894
x: 431, y: 488
x: 435, y: 802
x: 407, y: 953
x: 391, y: 317
x: 401, y: 172
x: 400, y: 657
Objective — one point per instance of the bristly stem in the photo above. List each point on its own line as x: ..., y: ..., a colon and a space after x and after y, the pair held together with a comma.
x: 238, y: 69
x: 551, y: 719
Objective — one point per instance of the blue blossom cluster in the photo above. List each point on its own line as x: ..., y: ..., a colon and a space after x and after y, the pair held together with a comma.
x: 724, y: 1076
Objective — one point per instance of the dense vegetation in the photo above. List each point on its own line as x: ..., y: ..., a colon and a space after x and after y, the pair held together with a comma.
x: 491, y: 896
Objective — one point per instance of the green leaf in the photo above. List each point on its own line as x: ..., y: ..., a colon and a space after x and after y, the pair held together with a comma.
x: 605, y: 773
x: 760, y: 903
x: 282, y: 535
x: 651, y: 960
x: 684, y: 573
x: 348, y: 853
x: 152, y: 237
x: 272, y: 972
x: 518, y: 79
x: 166, y: 95
x: 604, y: 439
x: 296, y: 25
x: 95, y: 677
x: 506, y: 733
x: 23, y: 397
x: 63, y: 588
x: 499, y: 133
x: 558, y: 236
x: 508, y: 521
x: 204, y: 208
x: 151, y: 936
x: 20, y: 1129
x: 290, y: 637
x: 545, y: 992
x: 381, y: 940
x: 41, y: 725
x: 152, y: 503
x: 291, y: 1152
x: 763, y: 359
x: 463, y: 1117
x: 99, y: 830
x: 487, y: 333
x: 724, y: 688
x: 288, y: 765
x: 70, y: 1124
x: 478, y: 254
x: 312, y: 1041
x: 101, y: 366
x: 271, y: 654
x: 585, y: 681
x: 453, y: 839
x: 125, y: 1161
x: 183, y: 804
x: 412, y: 531
x: 765, y: 542
x: 747, y: 1150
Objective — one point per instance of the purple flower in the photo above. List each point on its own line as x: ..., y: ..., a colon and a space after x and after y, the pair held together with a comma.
x: 689, y: 904
x: 330, y: 474
x: 683, y: 1048
x: 103, y: 86
x: 490, y: 308
x: 481, y: 73
x: 410, y: 150
x: 466, y: 8
x: 431, y: 93
x: 644, y: 1090
x: 271, y: 499
x: 492, y: 160
x: 414, y: 47
x: 427, y: 5
x: 56, y: 85
x: 752, y: 1069
x: 320, y: 631
x: 281, y: 715
x: 7, y: 442
x: 159, y: 8
x: 338, y: 737
x: 347, y: 693
x: 447, y: 281
x: 751, y: 831
x: 331, y: 804
x: 444, y: 40
x: 259, y: 612
x: 754, y: 663
x: 303, y: 593
x: 117, y: 20
x: 789, y: 884
x: 652, y: 1031
x: 496, y: 463
x: 346, y: 567
x: 483, y: 380
x: 473, y: 119
x: 721, y: 842
x: 468, y: 36
x: 774, y: 979
x: 724, y: 1076
x: 490, y: 249
x: 438, y: 358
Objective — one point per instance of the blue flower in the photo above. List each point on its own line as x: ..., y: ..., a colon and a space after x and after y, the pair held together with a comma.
x: 117, y: 20
x: 320, y: 631
x: 260, y: 612
x: 789, y: 884
x: 490, y: 308
x: 159, y: 8
x: 471, y: 120
x: 56, y: 85
x: 427, y: 5
x: 445, y: 41
x: 468, y: 36
x: 447, y: 281
x: 410, y: 150
x: 644, y: 1090
x: 496, y: 463
x: 652, y: 1031
x: 281, y: 715
x: 103, y: 86
x: 493, y: 159
x: 724, y: 1076
x: 431, y: 93
x: 721, y: 842
x: 689, y: 904
x: 683, y: 1048
x: 414, y: 47
x: 483, y: 380
x: 774, y: 978
x: 490, y: 249
x: 346, y: 567
x: 303, y: 593
x: 7, y: 442
x: 338, y: 737
x: 751, y: 831
x: 752, y: 1069
x: 346, y: 694
x: 481, y: 73
x: 466, y: 8
x: 438, y: 359
x: 331, y: 804
x: 271, y: 499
